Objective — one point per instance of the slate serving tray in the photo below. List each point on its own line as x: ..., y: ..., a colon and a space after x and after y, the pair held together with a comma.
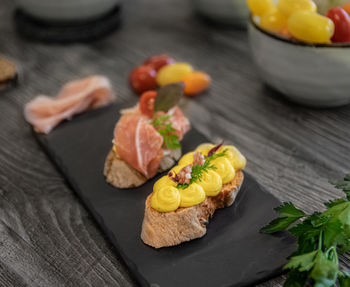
x: 233, y: 253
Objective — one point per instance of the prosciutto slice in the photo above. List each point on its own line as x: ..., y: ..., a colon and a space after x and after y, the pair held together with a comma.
x: 44, y: 112
x: 179, y: 122
x: 138, y: 143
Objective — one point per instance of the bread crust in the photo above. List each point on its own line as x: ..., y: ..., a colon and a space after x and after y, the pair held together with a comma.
x: 121, y: 175
x: 164, y: 229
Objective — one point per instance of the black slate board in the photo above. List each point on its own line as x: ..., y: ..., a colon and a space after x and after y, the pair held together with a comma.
x: 233, y: 253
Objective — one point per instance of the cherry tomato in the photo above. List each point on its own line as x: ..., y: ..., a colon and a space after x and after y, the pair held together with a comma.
x: 196, y: 82
x: 146, y: 103
x: 288, y: 7
x: 310, y: 27
x: 143, y: 78
x: 159, y: 61
x: 341, y: 21
x: 346, y: 7
x: 273, y: 21
x: 260, y: 7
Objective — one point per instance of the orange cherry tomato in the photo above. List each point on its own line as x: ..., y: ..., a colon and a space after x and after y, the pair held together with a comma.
x: 346, y: 7
x: 159, y: 61
x: 196, y: 82
x: 146, y: 103
x: 143, y: 78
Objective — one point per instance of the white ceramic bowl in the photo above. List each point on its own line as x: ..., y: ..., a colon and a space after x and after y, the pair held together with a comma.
x: 66, y: 10
x: 224, y: 11
x: 313, y: 75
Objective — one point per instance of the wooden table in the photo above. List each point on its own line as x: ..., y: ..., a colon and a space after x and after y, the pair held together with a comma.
x: 47, y: 238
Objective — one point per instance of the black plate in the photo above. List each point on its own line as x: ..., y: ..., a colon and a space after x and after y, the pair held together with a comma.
x: 233, y: 253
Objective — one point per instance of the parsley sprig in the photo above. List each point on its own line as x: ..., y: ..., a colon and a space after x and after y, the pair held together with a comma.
x: 165, y: 129
x: 198, y: 170
x: 321, y: 237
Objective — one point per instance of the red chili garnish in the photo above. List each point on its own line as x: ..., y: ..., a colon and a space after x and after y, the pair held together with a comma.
x: 215, y: 148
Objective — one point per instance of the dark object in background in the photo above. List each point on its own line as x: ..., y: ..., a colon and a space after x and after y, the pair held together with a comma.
x: 66, y: 32
x: 232, y: 253
x: 8, y: 73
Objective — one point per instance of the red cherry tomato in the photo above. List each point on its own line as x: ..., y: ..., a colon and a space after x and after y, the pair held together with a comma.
x: 146, y: 103
x: 143, y: 78
x: 159, y: 61
x: 341, y: 21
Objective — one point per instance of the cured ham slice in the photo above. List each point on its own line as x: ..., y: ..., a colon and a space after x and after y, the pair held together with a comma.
x: 44, y: 113
x: 179, y: 122
x: 138, y: 143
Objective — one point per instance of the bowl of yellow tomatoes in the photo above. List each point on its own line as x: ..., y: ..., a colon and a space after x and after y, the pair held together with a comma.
x: 300, y: 52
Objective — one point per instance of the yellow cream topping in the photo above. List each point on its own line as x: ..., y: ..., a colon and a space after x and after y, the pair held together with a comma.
x: 166, y: 199
x: 235, y: 157
x: 211, y: 182
x: 224, y: 168
x: 204, y: 148
x: 192, y: 195
x: 163, y: 181
x: 186, y: 159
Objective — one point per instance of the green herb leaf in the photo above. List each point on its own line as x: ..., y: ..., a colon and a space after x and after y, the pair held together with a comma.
x: 165, y: 129
x: 289, y: 210
x: 303, y: 262
x: 168, y: 96
x: 321, y: 236
x: 289, y: 214
x: 344, y: 278
x: 325, y: 271
x: 278, y: 224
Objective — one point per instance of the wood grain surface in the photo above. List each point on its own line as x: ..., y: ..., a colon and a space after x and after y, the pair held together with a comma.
x: 47, y: 238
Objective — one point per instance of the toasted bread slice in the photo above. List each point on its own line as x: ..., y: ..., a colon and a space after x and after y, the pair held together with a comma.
x: 163, y: 229
x: 120, y: 174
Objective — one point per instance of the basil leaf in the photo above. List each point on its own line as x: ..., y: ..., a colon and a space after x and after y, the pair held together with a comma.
x: 168, y: 96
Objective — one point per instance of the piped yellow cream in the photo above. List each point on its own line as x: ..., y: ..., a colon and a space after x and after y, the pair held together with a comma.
x: 192, y: 195
x: 166, y: 199
x: 235, y: 157
x: 224, y: 168
x: 211, y: 183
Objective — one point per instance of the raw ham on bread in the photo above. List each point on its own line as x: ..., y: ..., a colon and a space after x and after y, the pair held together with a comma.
x: 139, y: 144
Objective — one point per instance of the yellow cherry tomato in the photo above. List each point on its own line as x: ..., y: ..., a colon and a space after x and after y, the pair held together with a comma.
x: 196, y: 82
x: 192, y: 195
x: 224, y: 168
x: 273, y: 21
x: 260, y: 7
x: 310, y: 27
x: 288, y: 7
x: 173, y: 73
x: 166, y: 199
x: 211, y: 182
x: 237, y: 160
x: 163, y: 181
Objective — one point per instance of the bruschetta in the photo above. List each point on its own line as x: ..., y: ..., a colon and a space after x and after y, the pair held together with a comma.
x: 183, y: 201
x: 147, y: 138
